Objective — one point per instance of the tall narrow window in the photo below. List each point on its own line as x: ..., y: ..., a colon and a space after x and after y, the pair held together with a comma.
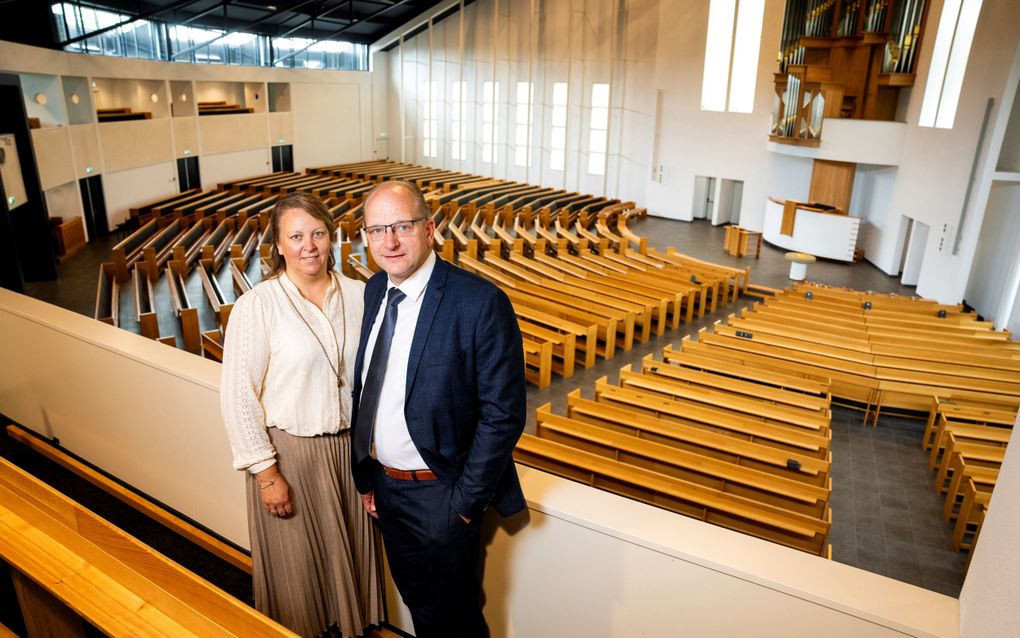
x: 558, y: 129
x: 522, y: 132
x: 949, y: 62
x: 490, y: 121
x: 599, y: 134
x: 458, y: 122
x: 430, y: 120
x: 731, y: 55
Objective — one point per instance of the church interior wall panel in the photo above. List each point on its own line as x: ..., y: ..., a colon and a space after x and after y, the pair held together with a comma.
x: 231, y: 133
x: 135, y: 143
x: 999, y: 240
x: 936, y: 189
x: 151, y: 418
x: 186, y: 136
x: 64, y: 201
x: 127, y: 188
x: 873, y: 186
x: 327, y: 122
x: 224, y: 167
x: 85, y: 143
x: 53, y: 158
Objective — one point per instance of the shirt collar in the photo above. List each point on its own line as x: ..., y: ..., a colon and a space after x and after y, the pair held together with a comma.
x: 415, y: 285
x: 293, y: 289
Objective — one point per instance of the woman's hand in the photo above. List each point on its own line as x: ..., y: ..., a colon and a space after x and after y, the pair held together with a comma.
x: 276, y: 493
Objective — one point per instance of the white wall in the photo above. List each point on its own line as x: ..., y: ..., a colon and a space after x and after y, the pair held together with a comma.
x: 999, y: 241
x: 136, y: 186
x: 936, y: 163
x: 225, y: 167
x: 988, y: 601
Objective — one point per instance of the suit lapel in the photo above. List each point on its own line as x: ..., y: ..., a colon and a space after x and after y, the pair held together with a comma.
x: 373, y: 297
x: 426, y: 316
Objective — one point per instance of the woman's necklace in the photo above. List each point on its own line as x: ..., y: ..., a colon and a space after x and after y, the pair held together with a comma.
x: 338, y: 370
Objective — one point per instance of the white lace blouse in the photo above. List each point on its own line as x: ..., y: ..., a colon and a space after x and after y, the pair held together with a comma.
x: 275, y: 373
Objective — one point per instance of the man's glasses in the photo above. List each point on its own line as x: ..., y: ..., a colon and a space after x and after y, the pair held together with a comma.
x: 402, y: 229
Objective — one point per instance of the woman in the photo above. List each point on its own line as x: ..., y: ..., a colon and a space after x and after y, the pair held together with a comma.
x: 285, y: 395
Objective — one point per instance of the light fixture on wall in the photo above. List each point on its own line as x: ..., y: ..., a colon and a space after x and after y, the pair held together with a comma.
x: 154, y: 98
x: 187, y: 151
x: 88, y: 169
x: 282, y: 140
x: 74, y: 98
x: 184, y: 97
x: 40, y: 99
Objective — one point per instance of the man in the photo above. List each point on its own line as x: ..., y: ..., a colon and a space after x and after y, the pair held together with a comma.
x: 439, y: 405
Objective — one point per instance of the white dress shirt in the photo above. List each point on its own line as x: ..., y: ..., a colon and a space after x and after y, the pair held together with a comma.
x: 393, y: 444
x: 275, y: 374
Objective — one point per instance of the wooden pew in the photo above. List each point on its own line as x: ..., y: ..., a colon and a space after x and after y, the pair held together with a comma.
x: 186, y: 313
x: 217, y: 246
x: 103, y: 575
x: 693, y: 437
x: 217, y: 301
x: 107, y: 296
x: 245, y: 240
x: 718, y: 474
x: 976, y: 453
x: 697, y: 356
x: 968, y: 432
x: 735, y: 512
x: 159, y: 248
x: 238, y: 277
x: 973, y: 412
x: 784, y: 437
x: 129, y: 251
x: 971, y: 515
x: 189, y: 247
x: 145, y: 310
x: 810, y: 405
x: 759, y: 409
x: 538, y: 363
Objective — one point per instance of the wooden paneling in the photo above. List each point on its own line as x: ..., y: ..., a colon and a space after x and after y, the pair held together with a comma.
x: 280, y: 129
x: 832, y: 183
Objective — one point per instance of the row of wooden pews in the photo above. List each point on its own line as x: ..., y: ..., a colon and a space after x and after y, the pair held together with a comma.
x: 884, y: 352
x: 967, y: 441
x: 724, y: 444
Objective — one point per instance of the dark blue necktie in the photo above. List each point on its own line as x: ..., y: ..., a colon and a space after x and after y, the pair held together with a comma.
x: 369, y: 405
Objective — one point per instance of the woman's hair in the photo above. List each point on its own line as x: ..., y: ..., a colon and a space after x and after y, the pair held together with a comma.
x: 311, y: 205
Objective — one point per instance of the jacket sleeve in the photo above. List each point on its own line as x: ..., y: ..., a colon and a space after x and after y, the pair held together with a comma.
x: 502, y: 404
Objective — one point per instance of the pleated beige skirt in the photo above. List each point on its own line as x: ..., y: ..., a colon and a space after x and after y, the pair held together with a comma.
x: 320, y: 567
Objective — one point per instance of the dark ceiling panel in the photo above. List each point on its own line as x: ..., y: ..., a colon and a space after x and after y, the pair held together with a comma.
x: 354, y: 19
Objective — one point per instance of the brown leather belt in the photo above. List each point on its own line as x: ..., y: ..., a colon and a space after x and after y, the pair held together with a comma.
x: 409, y: 475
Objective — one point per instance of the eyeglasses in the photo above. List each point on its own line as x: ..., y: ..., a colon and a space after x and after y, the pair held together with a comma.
x: 402, y: 229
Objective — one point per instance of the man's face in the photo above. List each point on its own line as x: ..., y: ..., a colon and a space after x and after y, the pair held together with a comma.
x: 399, y: 256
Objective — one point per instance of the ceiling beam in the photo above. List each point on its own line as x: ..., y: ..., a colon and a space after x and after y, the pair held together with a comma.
x: 341, y: 30
x: 244, y: 27
x: 143, y: 16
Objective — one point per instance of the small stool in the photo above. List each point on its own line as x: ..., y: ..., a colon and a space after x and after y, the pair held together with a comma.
x: 798, y: 265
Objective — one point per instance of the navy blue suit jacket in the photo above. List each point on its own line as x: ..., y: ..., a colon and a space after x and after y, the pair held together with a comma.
x: 465, y: 399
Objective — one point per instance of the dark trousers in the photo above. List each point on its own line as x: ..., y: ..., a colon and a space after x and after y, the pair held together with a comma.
x: 433, y: 556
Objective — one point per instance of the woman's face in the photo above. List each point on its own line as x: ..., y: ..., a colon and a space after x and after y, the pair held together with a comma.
x: 304, y: 244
